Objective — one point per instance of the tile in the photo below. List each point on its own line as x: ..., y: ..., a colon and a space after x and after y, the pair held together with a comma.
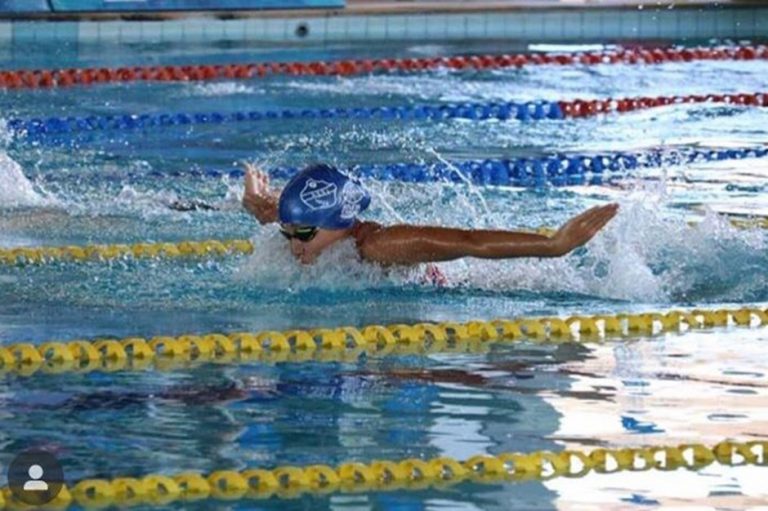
x: 65, y: 32
x: 172, y: 31
x: 209, y: 30
x: 6, y: 32
x: 6, y: 39
x: 88, y: 32
x: 417, y: 27
x: 496, y: 26
x: 233, y: 30
x: 726, y: 24
x: 592, y: 25
x: 760, y: 17
x: 446, y: 24
x: 107, y: 30
x: 23, y: 31
x: 455, y: 26
x: 705, y: 24
x: 335, y: 28
x: 475, y: 26
x: 377, y: 28
x: 527, y: 26
x: 408, y: 25
x: 255, y: 28
x: 434, y: 27
x: 130, y: 32
x: 668, y: 24
x: 745, y: 21
x: 395, y: 26
x: 151, y: 30
x: 552, y: 25
x: 354, y: 28
x: 193, y: 30
x: 572, y: 24
x: 275, y: 29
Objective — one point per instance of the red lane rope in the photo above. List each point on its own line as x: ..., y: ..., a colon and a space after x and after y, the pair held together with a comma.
x: 587, y: 108
x: 19, y: 79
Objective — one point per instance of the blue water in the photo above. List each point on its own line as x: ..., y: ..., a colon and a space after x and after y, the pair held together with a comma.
x: 700, y: 387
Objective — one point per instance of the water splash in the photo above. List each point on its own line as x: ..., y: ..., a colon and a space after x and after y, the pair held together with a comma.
x: 642, y: 256
x: 340, y: 267
x: 221, y: 89
x: 16, y: 190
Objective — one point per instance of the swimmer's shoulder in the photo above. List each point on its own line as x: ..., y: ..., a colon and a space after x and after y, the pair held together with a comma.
x: 362, y: 230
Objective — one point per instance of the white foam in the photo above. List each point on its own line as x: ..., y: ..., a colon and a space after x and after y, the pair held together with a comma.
x: 15, y: 189
x: 273, y: 266
x: 644, y: 255
x: 221, y: 89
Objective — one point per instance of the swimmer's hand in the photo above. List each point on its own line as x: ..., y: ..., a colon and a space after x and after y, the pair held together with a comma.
x: 582, y: 228
x: 258, y: 198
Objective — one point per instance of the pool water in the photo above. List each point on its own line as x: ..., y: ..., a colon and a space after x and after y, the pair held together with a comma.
x: 698, y: 387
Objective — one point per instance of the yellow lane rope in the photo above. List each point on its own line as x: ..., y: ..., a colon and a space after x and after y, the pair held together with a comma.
x: 349, y: 343
x: 396, y: 475
x: 75, y: 253
x: 193, y: 249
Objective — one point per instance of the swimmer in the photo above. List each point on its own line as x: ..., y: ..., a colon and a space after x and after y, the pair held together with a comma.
x: 320, y: 206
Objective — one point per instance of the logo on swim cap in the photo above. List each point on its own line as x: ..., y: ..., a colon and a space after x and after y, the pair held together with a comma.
x: 318, y: 194
x: 322, y: 196
x: 351, y: 197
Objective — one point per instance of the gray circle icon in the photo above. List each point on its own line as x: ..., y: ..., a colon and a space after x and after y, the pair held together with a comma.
x: 35, y: 477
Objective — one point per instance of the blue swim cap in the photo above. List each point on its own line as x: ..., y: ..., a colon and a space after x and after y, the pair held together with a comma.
x: 322, y: 196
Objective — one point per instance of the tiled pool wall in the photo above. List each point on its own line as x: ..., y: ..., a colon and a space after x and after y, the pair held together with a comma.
x: 312, y: 28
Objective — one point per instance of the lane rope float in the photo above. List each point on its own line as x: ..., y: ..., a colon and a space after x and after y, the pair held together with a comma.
x: 45, y: 78
x: 108, y: 252
x: 586, y: 169
x: 528, y: 172
x: 192, y: 249
x: 38, y: 128
x: 411, y: 474
x: 348, y: 344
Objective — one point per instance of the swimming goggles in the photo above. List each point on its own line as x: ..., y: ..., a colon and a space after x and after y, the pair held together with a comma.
x: 300, y: 233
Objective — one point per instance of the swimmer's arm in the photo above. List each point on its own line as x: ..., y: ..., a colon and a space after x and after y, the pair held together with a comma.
x: 404, y: 244
x: 258, y: 199
x: 261, y: 207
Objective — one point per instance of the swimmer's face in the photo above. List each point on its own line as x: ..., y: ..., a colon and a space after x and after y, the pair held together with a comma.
x: 308, y: 242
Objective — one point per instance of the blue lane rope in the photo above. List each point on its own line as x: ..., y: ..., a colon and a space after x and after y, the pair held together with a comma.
x: 529, y: 172
x: 532, y: 110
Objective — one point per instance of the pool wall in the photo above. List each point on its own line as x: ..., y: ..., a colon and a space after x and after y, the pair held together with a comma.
x: 551, y: 23
x: 67, y: 6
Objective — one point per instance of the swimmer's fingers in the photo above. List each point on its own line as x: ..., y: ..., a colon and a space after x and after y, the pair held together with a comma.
x: 584, y: 227
x: 256, y: 182
x: 256, y: 179
x: 593, y: 215
x: 250, y: 183
x: 599, y: 217
x: 262, y: 181
x: 599, y: 221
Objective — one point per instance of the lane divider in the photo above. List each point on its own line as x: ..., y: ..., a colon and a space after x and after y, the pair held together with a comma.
x: 528, y: 172
x: 108, y: 252
x: 44, y: 78
x: 586, y: 169
x: 166, y: 353
x: 191, y: 249
x: 524, y: 111
x: 411, y: 474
